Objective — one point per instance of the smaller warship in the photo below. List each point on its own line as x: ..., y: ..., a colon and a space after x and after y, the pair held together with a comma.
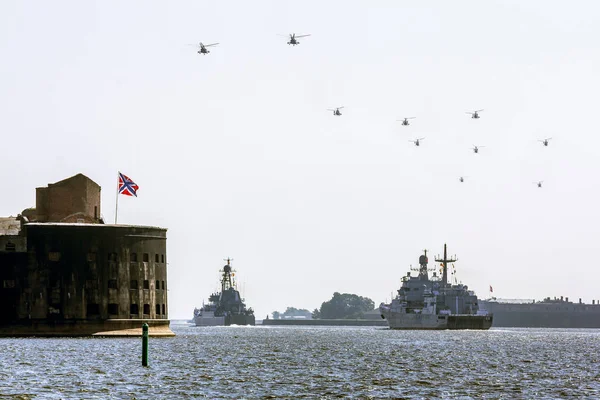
x: 226, y: 307
x: 424, y: 303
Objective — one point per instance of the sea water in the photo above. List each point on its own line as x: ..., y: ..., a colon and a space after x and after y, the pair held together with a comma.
x: 270, y: 362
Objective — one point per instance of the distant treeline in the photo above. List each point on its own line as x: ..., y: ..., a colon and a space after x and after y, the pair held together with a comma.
x: 341, y: 306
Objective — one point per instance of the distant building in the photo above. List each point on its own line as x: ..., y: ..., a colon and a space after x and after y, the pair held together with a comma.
x: 64, y: 272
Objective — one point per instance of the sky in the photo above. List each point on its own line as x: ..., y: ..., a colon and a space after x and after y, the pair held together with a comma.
x: 237, y: 156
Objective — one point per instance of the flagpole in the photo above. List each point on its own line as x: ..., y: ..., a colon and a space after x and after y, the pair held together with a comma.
x: 117, y: 200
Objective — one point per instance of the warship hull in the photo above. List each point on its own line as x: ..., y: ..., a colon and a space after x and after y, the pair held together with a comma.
x: 441, y: 322
x: 204, y: 320
x: 540, y: 315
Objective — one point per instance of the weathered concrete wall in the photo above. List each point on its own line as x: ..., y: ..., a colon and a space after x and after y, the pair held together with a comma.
x: 70, y: 200
x: 87, y: 272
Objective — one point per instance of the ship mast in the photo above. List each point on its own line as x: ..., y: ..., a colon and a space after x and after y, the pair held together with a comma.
x: 445, y: 262
x: 423, y: 260
x: 226, y: 281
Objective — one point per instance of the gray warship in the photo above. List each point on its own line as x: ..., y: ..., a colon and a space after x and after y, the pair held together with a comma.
x: 226, y: 307
x: 424, y: 303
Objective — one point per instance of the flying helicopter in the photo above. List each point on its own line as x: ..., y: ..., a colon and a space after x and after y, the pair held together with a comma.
x: 539, y: 183
x: 336, y: 111
x: 417, y: 142
x: 545, y: 141
x: 476, y: 148
x: 202, y: 48
x: 474, y: 114
x: 462, y: 179
x: 405, y: 120
x: 293, y: 38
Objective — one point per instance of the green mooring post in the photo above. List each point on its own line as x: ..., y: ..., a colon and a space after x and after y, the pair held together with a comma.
x: 145, y: 345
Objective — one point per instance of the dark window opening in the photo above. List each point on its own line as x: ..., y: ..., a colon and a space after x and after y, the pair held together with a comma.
x: 91, y: 256
x: 91, y: 284
x: 133, y: 309
x: 93, y: 309
x: 146, y: 257
x: 156, y: 258
x: 133, y: 284
x: 95, y: 212
x: 162, y: 258
x: 147, y: 309
x: 112, y: 257
x: 10, y: 247
x: 133, y: 257
x: 146, y: 284
x: 9, y: 284
x: 163, y: 285
x: 157, y: 285
x: 113, y: 309
x: 164, y: 309
x: 158, y: 309
x: 112, y: 284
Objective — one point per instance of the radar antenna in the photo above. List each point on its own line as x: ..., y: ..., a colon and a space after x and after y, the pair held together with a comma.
x: 445, y: 262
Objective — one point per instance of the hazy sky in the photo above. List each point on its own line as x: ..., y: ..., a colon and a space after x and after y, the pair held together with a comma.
x: 236, y: 154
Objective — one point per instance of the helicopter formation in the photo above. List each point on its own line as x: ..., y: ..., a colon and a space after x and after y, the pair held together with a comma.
x: 293, y: 40
x: 475, y: 148
x: 202, y: 48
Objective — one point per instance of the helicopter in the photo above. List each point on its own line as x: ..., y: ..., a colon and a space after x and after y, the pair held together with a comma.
x: 202, y: 48
x: 405, y: 120
x: 545, y: 141
x: 417, y: 141
x: 476, y: 148
x: 293, y: 38
x: 336, y: 111
x: 462, y: 179
x: 539, y: 183
x: 475, y: 114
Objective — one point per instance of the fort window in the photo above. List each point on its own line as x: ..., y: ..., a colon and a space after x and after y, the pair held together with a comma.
x: 91, y: 284
x: 147, y: 309
x: 9, y: 284
x: 93, y: 309
x: 133, y: 257
x: 163, y: 285
x: 112, y: 284
x: 157, y: 285
x: 95, y: 212
x: 162, y: 258
x: 54, y: 256
x: 156, y: 258
x: 10, y: 247
x: 146, y: 257
x: 113, y: 309
x: 146, y: 284
x: 158, y: 309
x: 133, y: 309
x: 164, y: 309
x: 133, y: 284
x: 112, y: 257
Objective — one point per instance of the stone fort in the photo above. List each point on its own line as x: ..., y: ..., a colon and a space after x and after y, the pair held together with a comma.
x: 63, y: 271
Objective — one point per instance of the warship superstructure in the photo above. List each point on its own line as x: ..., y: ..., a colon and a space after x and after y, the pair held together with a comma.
x: 226, y: 307
x: 424, y: 303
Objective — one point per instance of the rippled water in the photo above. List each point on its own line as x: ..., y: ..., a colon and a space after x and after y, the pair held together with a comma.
x: 308, y: 362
